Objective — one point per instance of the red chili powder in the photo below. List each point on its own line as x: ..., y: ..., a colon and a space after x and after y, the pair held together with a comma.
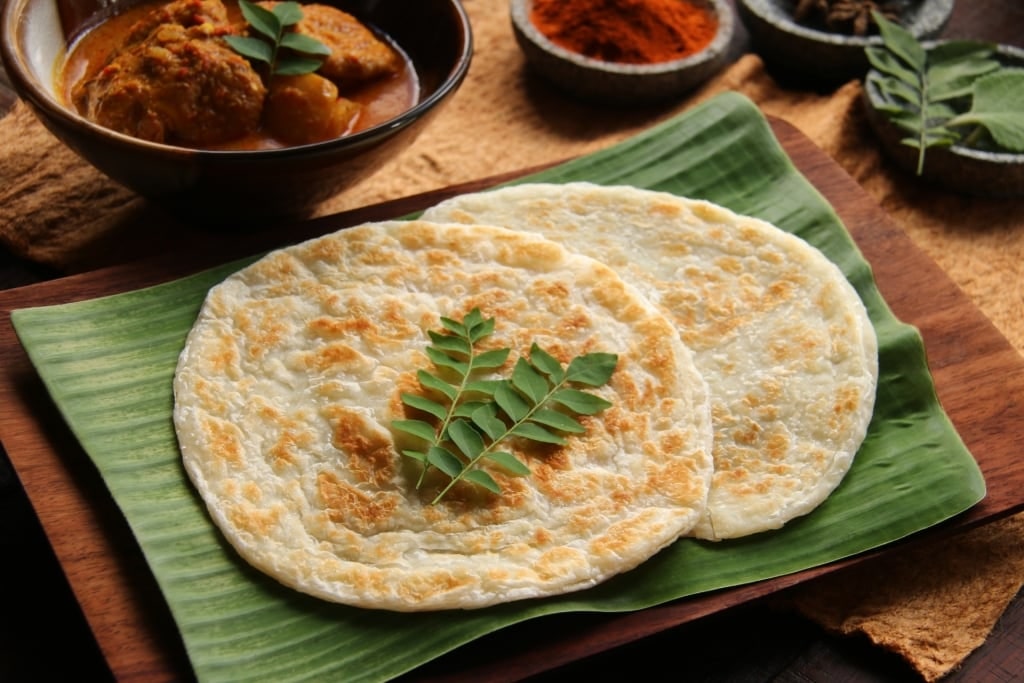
x: 626, y: 31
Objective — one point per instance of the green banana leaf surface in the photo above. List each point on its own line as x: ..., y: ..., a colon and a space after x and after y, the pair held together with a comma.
x: 108, y: 364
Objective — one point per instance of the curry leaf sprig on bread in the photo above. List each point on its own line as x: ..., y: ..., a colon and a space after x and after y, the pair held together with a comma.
x: 272, y: 34
x: 539, y: 403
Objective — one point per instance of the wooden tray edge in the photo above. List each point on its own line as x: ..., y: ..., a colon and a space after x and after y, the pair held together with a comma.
x: 35, y: 441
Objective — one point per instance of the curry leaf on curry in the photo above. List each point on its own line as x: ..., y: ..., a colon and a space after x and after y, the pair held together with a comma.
x: 253, y: 48
x: 303, y: 54
x: 475, y: 416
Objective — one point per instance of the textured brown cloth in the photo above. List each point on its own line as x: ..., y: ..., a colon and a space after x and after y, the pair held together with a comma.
x: 932, y: 605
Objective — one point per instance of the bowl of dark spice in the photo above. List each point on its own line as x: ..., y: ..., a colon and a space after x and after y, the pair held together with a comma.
x: 950, y: 112
x: 624, y: 51
x: 822, y: 42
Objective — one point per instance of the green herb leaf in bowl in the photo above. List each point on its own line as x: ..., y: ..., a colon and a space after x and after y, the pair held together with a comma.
x: 948, y: 94
x: 997, y: 104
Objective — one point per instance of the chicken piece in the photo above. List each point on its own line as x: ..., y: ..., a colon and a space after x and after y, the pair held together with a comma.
x: 357, y: 55
x: 186, y: 13
x: 178, y: 86
x: 304, y: 109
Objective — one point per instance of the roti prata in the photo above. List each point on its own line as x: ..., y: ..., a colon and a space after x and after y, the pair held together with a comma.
x: 779, y: 334
x: 290, y: 380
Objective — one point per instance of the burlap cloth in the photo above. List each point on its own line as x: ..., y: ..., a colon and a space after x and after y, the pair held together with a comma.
x: 933, y: 605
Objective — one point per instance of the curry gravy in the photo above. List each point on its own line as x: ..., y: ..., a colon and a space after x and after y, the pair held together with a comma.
x: 380, y: 100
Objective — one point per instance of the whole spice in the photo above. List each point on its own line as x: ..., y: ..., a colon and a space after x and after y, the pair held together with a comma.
x: 853, y: 17
x: 626, y: 31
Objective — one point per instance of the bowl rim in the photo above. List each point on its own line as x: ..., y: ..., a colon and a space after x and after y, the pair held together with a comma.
x: 1016, y: 53
x: 761, y: 9
x: 519, y: 10
x: 38, y: 96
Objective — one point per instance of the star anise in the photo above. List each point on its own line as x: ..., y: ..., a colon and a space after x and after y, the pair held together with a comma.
x: 806, y: 9
x: 845, y: 16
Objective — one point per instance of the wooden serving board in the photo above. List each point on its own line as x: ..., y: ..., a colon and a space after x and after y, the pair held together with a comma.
x: 978, y: 375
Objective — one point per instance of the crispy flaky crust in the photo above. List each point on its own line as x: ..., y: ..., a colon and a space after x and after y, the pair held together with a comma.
x: 781, y: 337
x: 290, y: 379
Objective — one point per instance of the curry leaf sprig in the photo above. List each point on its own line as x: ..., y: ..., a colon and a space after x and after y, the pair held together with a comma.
x: 475, y: 417
x: 951, y: 93
x: 302, y: 54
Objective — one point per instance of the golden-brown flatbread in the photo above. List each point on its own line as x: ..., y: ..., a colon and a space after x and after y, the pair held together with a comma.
x: 777, y: 331
x: 289, y: 382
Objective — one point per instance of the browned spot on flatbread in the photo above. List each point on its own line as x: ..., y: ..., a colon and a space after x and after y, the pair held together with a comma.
x: 224, y: 355
x: 336, y: 354
x: 345, y: 504
x: 370, y: 457
x: 262, y: 326
x: 325, y: 326
x: 676, y: 478
x: 224, y: 442
x: 285, y: 451
x: 748, y: 434
x: 776, y: 446
x: 847, y: 400
x: 255, y: 520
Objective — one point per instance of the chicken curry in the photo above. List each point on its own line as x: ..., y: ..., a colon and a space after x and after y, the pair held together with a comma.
x: 165, y: 73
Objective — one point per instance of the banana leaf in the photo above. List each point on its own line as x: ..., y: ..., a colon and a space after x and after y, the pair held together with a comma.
x: 108, y: 364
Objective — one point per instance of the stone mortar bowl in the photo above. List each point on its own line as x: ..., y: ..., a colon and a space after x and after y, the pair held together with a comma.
x: 621, y: 84
x: 801, y: 53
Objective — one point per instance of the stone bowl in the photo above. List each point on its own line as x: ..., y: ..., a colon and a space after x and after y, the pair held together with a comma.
x: 801, y: 53
x: 236, y: 187
x: 958, y: 169
x: 621, y: 84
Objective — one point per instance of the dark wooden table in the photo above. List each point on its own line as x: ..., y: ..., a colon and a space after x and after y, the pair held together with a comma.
x: 43, y: 635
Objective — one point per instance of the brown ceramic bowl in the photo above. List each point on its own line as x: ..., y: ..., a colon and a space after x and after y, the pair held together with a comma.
x: 236, y: 187
x: 621, y: 84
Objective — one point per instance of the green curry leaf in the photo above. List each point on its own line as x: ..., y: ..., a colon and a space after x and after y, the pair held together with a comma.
x: 510, y: 463
x: 938, y: 95
x: 300, y: 42
x: 296, y: 66
x: 274, y: 33
x: 998, y: 105
x: 261, y: 19
x: 253, y: 48
x: 955, y: 66
x: 535, y: 404
x: 288, y: 13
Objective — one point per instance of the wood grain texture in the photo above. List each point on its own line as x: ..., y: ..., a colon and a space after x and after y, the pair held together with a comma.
x: 979, y: 379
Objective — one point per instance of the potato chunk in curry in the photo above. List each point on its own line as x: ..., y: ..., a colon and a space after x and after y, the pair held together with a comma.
x: 304, y: 109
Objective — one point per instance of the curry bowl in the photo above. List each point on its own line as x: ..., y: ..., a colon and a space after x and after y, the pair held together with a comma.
x: 807, y: 51
x: 612, y: 82
x: 237, y: 187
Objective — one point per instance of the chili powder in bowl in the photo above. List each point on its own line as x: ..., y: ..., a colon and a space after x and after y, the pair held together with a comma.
x: 624, y: 51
